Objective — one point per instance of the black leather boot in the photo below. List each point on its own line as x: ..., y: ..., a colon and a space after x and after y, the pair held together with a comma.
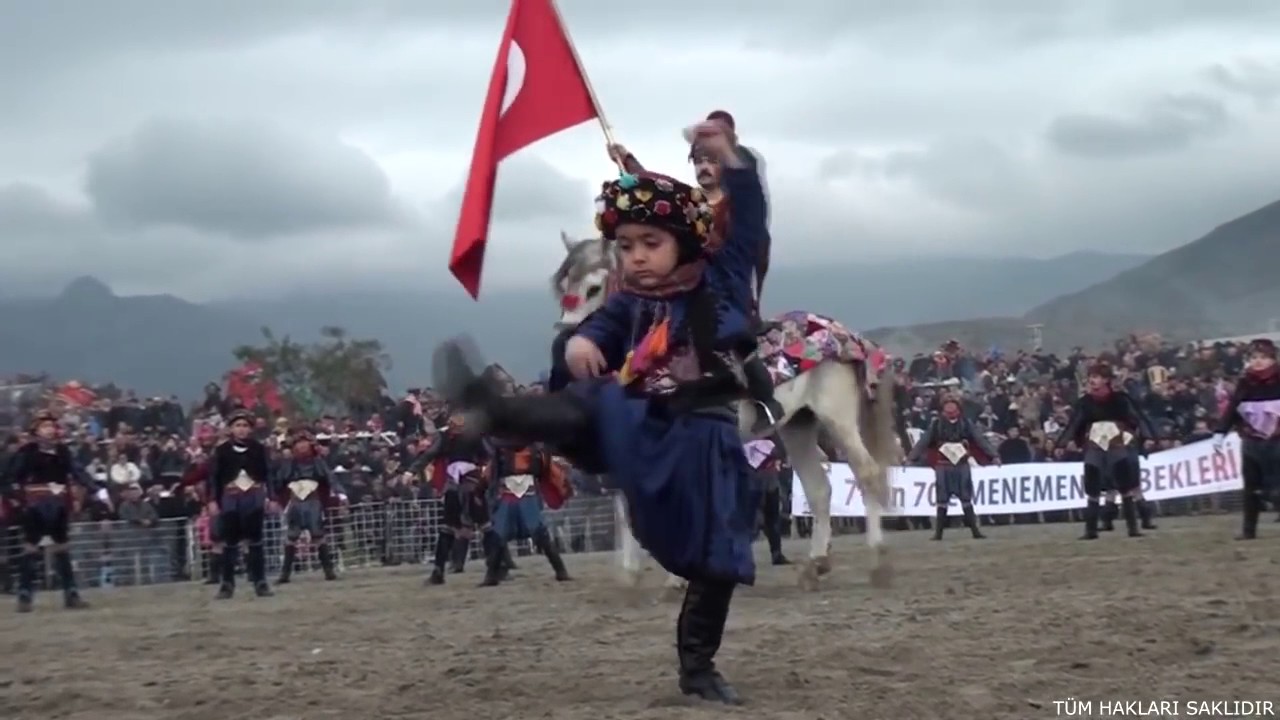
x: 492, y: 559
x: 1130, y: 516
x: 286, y: 566
x: 8, y: 565
x: 1249, y: 517
x: 444, y: 546
x: 940, y: 523
x: 1145, y: 514
x: 26, y: 581
x: 1090, y: 520
x: 214, y: 575
x: 971, y: 522
x: 774, y: 538
x: 227, y: 588
x: 772, y: 527
x: 699, y: 631
x: 542, y: 539
x: 458, y: 557
x: 557, y: 419
x: 67, y: 576
x: 1107, y: 520
x: 326, y: 562
x: 769, y: 412
x: 256, y: 568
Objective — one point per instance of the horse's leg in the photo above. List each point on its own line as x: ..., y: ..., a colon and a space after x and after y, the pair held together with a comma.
x: 629, y: 554
x: 881, y: 433
x: 800, y: 438
x: 839, y: 402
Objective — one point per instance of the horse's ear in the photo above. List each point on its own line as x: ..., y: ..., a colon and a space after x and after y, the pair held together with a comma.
x: 569, y: 243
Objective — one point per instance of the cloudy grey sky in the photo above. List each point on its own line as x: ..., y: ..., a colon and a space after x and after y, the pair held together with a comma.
x: 239, y: 147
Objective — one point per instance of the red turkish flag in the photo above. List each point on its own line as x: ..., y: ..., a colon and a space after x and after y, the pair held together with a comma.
x: 554, y: 97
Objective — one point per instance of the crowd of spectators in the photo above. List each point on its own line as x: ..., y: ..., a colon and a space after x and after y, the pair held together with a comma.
x: 1023, y: 399
x: 143, y: 452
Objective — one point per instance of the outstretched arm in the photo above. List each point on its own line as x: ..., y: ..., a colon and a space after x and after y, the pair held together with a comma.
x: 1075, y: 421
x: 979, y: 438
x: 1231, y: 416
x: 924, y: 443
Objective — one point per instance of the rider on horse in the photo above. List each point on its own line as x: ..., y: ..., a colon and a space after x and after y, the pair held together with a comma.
x: 746, y: 292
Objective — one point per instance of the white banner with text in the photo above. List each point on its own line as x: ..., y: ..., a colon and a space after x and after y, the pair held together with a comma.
x: 1195, y: 469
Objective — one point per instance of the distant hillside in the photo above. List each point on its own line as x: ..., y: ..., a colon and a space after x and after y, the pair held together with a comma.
x: 162, y: 344
x: 159, y: 344
x: 1222, y: 284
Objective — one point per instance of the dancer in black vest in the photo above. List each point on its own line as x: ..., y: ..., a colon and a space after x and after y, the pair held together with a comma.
x: 1254, y: 412
x: 308, y: 488
x: 36, y: 488
x: 950, y: 442
x: 239, y: 495
x: 1108, y: 424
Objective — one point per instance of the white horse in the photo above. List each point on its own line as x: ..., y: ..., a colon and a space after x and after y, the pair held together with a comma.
x: 833, y: 395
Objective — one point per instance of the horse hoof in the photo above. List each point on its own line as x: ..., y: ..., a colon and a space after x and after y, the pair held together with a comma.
x: 882, y: 576
x: 807, y: 578
x: 822, y: 565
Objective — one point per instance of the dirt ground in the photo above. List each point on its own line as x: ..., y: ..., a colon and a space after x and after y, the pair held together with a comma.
x: 994, y: 629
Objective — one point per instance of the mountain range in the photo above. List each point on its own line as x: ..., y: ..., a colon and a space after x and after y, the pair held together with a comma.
x: 163, y: 344
x: 1221, y: 285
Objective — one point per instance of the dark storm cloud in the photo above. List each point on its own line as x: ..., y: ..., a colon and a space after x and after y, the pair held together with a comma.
x: 244, y: 180
x: 963, y: 171
x: 528, y: 188
x: 28, y: 212
x: 1170, y: 123
x: 1252, y: 78
x: 53, y: 33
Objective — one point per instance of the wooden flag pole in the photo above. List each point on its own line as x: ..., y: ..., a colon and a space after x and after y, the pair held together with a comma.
x: 605, y: 127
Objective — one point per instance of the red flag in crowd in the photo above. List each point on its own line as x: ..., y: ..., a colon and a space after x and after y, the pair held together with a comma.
x: 75, y: 394
x: 248, y: 385
x: 555, y: 96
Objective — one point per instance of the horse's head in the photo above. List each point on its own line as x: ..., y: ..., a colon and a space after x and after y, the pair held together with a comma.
x: 582, y: 280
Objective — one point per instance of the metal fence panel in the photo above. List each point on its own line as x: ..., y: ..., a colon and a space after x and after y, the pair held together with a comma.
x: 115, y: 553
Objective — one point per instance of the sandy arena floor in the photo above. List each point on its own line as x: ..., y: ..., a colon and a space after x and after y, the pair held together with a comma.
x: 994, y: 629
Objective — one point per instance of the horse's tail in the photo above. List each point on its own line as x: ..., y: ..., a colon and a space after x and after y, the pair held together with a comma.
x: 881, y: 436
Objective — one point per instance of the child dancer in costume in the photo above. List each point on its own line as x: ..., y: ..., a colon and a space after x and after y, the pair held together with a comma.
x: 653, y: 402
x: 1255, y: 413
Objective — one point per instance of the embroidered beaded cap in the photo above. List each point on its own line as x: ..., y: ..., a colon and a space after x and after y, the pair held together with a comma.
x: 657, y: 200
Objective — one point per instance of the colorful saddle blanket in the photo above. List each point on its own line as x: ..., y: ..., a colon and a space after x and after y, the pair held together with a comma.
x: 798, y: 341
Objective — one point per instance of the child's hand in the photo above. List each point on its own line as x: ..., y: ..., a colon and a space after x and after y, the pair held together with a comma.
x: 583, y: 357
